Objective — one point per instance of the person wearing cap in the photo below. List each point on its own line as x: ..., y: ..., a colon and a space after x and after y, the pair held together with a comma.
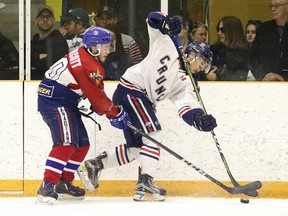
x: 48, y: 45
x: 106, y: 16
x: 78, y: 23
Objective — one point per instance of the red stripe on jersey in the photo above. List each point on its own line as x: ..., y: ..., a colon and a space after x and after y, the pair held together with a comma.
x: 142, y: 113
x: 150, y: 151
x: 183, y: 111
x: 122, y: 154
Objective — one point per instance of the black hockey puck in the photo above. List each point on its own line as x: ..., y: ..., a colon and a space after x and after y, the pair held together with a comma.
x: 244, y: 200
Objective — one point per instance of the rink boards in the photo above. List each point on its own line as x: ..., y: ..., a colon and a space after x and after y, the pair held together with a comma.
x: 252, y: 131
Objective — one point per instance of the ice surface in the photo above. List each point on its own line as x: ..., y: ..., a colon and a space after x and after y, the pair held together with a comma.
x: 180, y: 206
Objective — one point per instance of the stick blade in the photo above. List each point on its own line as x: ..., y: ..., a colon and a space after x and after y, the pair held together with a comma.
x: 248, y: 189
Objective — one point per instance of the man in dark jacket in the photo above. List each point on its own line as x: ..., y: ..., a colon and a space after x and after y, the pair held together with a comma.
x: 269, y: 52
x: 9, y: 59
x: 48, y: 45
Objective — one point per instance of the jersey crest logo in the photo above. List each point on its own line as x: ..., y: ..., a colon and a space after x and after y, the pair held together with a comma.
x: 96, y: 76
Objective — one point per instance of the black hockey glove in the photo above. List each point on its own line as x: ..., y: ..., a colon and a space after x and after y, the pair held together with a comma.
x: 166, y: 25
x: 205, y: 123
x: 174, y: 26
x: 199, y: 120
x: 170, y: 26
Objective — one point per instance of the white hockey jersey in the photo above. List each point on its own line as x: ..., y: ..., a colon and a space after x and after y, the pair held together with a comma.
x: 159, y: 75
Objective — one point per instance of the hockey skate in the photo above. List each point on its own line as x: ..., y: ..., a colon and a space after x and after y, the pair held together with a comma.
x: 67, y: 191
x: 147, y: 190
x: 90, y: 171
x: 46, y: 193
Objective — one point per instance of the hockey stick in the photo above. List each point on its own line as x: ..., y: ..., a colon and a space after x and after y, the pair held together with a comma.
x: 234, y: 182
x: 253, y: 186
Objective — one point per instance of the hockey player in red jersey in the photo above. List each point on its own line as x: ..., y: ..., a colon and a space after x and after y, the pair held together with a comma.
x: 154, y: 79
x: 77, y: 75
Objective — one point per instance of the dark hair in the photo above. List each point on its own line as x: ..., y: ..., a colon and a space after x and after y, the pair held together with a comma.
x: 234, y: 33
x: 257, y: 23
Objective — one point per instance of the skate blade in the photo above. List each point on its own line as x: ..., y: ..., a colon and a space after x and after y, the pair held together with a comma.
x: 83, y: 175
x: 45, y: 200
x: 141, y: 196
x: 63, y: 197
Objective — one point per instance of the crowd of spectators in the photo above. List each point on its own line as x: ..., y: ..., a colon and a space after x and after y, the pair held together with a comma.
x: 256, y: 52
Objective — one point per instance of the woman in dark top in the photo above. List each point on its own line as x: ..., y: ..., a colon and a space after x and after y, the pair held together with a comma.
x: 230, y: 53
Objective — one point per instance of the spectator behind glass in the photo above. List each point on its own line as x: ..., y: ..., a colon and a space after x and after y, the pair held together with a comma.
x: 9, y: 59
x: 106, y: 16
x: 230, y: 54
x: 64, y: 27
x: 48, y: 45
x: 78, y: 22
x: 118, y: 60
x: 199, y: 32
x: 251, y: 28
x: 269, y: 51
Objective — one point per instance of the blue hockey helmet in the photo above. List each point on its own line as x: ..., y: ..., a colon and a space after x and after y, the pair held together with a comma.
x: 201, y: 50
x: 96, y: 36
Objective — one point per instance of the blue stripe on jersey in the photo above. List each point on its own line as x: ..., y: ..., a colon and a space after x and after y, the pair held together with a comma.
x: 149, y: 155
x: 126, y: 155
x: 152, y: 147
x: 117, y: 156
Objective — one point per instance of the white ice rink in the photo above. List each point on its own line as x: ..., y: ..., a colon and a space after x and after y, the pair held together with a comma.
x: 182, y: 206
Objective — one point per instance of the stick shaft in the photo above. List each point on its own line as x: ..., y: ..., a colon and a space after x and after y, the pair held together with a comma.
x: 234, y: 182
x: 236, y: 190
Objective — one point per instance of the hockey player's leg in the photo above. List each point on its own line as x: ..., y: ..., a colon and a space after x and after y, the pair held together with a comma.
x: 146, y: 189
x: 65, y: 189
x: 90, y: 171
x: 55, y: 163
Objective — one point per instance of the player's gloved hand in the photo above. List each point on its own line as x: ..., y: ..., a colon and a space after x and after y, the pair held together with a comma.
x: 120, y: 121
x: 199, y: 120
x: 166, y: 25
x: 174, y: 26
x: 170, y: 26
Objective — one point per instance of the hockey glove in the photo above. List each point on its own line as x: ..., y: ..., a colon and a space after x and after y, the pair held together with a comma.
x: 174, y: 26
x: 120, y: 121
x: 166, y: 25
x: 199, y: 120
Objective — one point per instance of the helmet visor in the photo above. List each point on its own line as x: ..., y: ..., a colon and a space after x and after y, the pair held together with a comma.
x: 204, y: 64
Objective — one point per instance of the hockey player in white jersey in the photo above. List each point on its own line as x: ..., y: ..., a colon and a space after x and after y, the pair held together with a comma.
x: 155, y: 78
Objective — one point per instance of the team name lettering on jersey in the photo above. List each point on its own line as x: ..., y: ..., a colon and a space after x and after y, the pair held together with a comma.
x: 160, y: 91
x: 74, y: 59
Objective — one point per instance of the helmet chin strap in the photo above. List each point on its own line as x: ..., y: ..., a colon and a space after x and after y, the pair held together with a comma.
x: 193, y: 60
x: 98, y: 46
